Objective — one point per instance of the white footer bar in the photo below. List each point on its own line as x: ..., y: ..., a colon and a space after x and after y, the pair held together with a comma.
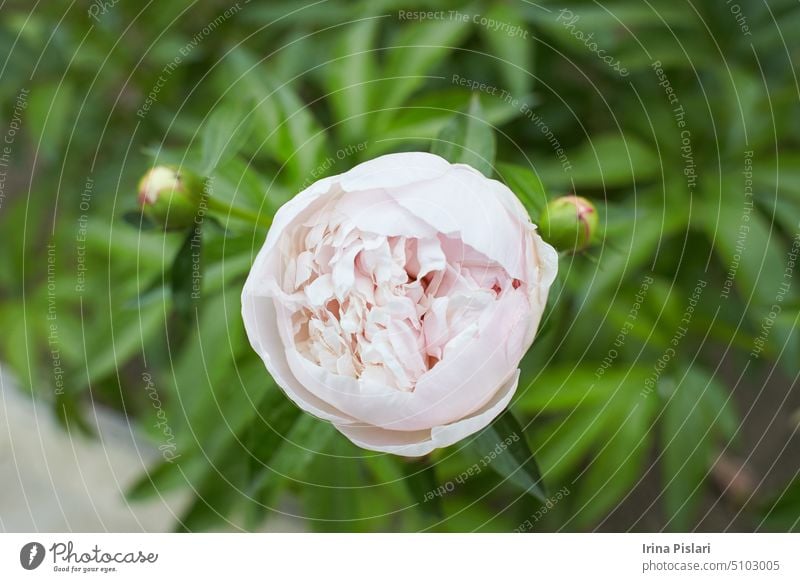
x: 401, y: 557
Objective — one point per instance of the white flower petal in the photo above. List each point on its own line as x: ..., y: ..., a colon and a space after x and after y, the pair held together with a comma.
x: 459, y: 204
x: 393, y: 171
x: 260, y: 323
x: 422, y: 442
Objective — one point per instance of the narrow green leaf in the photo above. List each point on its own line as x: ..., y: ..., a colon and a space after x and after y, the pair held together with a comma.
x: 307, y: 438
x: 69, y: 413
x: 619, y: 461
x: 223, y: 134
x: 51, y: 108
x: 334, y: 497
x: 414, y: 53
x: 283, y: 125
x: 131, y: 331
x: 349, y: 79
x: 563, y: 387
x: 301, y: 140
x: 423, y: 118
x: 166, y: 476
x: 564, y: 443
x: 781, y: 173
x: 185, y: 276
x: 468, y: 139
x: 513, y: 46
x: 605, y: 161
x: 420, y: 480
x: 216, y: 495
x: 749, y: 246
x: 630, y: 250
x: 503, y: 447
x: 688, y: 434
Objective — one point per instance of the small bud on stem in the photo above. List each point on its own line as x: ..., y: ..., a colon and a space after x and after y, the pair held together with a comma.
x: 569, y: 223
x: 170, y: 197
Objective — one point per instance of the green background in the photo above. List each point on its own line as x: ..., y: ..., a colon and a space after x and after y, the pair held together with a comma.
x: 265, y: 97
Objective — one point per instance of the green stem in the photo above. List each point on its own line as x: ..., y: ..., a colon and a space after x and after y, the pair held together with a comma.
x: 220, y: 207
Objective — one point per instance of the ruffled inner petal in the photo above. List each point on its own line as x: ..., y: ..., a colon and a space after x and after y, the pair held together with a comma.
x: 388, y: 308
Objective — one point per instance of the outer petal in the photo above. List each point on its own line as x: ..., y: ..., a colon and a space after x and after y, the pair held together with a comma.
x: 393, y: 171
x: 542, y: 260
x: 460, y: 384
x: 546, y: 267
x: 377, y: 212
x: 260, y: 323
x: 462, y: 202
x: 422, y: 442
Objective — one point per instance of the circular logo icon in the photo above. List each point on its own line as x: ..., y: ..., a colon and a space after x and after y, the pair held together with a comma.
x: 31, y: 555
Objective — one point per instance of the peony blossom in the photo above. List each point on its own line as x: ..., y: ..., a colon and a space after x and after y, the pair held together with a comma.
x: 396, y: 300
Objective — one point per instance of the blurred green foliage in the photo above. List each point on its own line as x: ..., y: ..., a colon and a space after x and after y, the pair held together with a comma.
x: 654, y: 336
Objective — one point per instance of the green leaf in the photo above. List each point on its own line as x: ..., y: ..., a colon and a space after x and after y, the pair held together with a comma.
x: 283, y: 125
x: 188, y: 470
x: 563, y: 387
x: 216, y: 495
x: 349, y: 80
x: 246, y: 76
x: 334, y: 497
x: 514, y: 51
x: 503, y: 447
x: 288, y: 462
x: 212, y: 389
x: 239, y: 184
x: 51, y: 109
x: 131, y: 331
x: 562, y: 444
x: 423, y: 118
x: 218, y: 473
x: 749, y: 246
x: 688, y: 431
x: 414, y: 53
x: 605, y: 161
x: 630, y: 250
x: 720, y: 412
x: 618, y: 464
x: 301, y: 140
x: 223, y: 134
x: 468, y: 139
x: 782, y: 514
x: 420, y: 480
x: 186, y: 277
x: 70, y: 414
x: 611, y: 400
x: 781, y: 174
x: 238, y: 420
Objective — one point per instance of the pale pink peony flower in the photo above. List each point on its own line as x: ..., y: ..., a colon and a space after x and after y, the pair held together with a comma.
x: 397, y: 299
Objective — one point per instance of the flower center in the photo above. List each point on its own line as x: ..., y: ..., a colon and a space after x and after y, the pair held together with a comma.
x: 386, y: 309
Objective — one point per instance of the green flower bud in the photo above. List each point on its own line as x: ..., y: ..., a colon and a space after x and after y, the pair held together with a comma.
x: 170, y: 197
x: 569, y: 223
